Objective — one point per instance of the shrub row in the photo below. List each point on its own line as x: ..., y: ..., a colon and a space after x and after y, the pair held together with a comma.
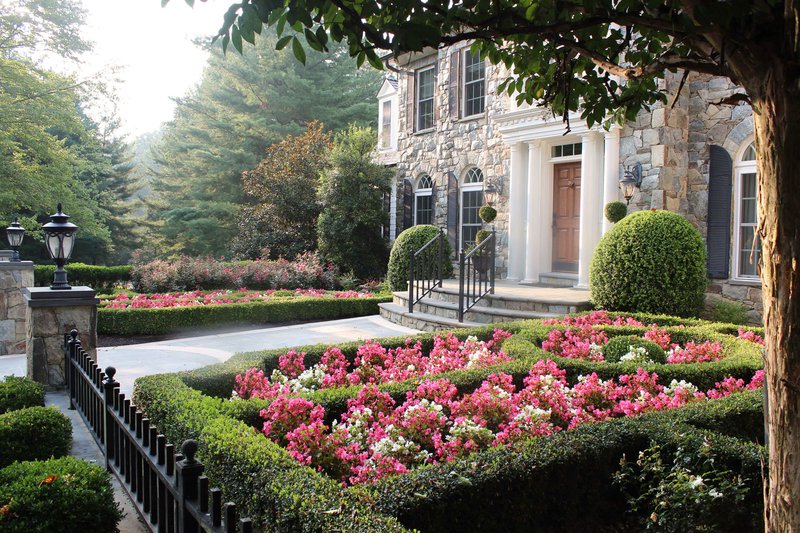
x: 34, y: 433
x: 128, y: 322
x: 534, y: 487
x: 97, y: 277
x: 18, y: 393
x: 65, y: 494
x: 265, y: 482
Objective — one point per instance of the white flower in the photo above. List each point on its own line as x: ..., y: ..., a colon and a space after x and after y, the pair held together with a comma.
x: 638, y: 354
x: 714, y: 493
x: 678, y: 386
x: 696, y: 482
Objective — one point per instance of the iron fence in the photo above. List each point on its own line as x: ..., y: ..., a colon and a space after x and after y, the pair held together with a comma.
x: 426, y: 269
x: 167, y: 488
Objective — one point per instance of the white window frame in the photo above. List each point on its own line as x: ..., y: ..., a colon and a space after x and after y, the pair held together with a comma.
x: 464, y: 112
x: 417, y: 101
x: 382, y: 124
x: 740, y: 168
x: 423, y: 191
x: 465, y: 188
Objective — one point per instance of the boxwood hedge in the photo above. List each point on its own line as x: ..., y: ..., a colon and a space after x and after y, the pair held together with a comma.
x: 34, y: 433
x: 18, y: 393
x: 536, y: 486
x: 128, y: 322
x: 95, y: 276
x: 65, y: 494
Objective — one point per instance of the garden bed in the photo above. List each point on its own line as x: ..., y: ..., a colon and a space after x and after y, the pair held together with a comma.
x: 475, y: 426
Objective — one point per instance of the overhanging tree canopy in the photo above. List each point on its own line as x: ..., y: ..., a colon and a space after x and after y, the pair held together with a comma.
x: 605, y: 57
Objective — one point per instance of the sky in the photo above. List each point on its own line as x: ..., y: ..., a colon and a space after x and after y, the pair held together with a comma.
x: 154, y: 50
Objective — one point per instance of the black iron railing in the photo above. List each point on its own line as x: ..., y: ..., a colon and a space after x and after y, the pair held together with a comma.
x: 167, y: 488
x: 476, y: 274
x: 426, y: 269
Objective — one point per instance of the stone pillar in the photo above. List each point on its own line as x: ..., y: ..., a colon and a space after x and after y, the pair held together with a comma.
x: 517, y: 223
x: 14, y: 275
x: 591, y: 200
x: 533, y: 242
x: 50, y: 315
x: 610, y: 172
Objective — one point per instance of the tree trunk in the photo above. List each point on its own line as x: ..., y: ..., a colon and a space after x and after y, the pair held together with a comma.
x: 777, y: 127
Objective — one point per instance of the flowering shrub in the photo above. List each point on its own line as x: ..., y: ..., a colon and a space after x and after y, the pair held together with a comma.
x: 186, y: 273
x: 750, y: 336
x: 695, y: 353
x: 595, y: 318
x: 197, y: 298
x: 376, y: 437
x: 373, y: 364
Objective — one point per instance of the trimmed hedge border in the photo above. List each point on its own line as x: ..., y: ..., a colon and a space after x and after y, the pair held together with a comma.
x: 129, y: 322
x: 95, y: 276
x: 77, y: 497
x: 493, y: 489
x: 19, y: 393
x: 34, y: 433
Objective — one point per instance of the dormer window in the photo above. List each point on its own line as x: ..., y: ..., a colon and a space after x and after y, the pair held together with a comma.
x: 386, y: 124
x: 424, y: 94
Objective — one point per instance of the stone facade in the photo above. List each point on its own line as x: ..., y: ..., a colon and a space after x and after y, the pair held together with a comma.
x: 671, y: 141
x: 13, y: 277
x: 51, y: 315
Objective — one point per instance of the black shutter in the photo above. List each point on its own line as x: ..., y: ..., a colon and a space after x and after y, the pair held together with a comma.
x: 452, y: 211
x: 434, y: 221
x: 455, y: 85
x: 408, y: 204
x: 718, y: 239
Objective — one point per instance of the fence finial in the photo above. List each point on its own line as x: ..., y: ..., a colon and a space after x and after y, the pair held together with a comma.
x: 110, y: 373
x: 73, y: 334
x: 189, y: 449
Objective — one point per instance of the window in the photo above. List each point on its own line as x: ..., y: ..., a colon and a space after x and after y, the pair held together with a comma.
x: 747, y: 248
x: 471, y: 202
x: 474, y: 84
x: 423, y: 201
x: 386, y: 124
x: 567, y: 150
x: 425, y: 82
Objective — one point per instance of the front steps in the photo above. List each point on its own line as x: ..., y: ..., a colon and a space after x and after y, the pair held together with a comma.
x: 511, y: 302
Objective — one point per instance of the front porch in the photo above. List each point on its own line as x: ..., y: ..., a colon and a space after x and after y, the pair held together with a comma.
x: 510, y: 302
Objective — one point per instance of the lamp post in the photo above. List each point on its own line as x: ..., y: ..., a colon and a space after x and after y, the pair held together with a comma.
x: 59, y: 236
x: 15, y: 233
x: 630, y: 181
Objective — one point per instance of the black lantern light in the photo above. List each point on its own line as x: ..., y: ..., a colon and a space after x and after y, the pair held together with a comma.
x: 59, y: 236
x: 631, y: 180
x: 15, y: 233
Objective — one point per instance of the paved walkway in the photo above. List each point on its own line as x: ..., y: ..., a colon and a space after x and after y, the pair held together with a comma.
x: 136, y: 360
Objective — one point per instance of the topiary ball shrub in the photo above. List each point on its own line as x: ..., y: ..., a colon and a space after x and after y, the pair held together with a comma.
x: 616, y: 211
x: 18, y: 393
x: 650, y: 262
x: 413, y: 239
x: 65, y: 494
x: 34, y: 433
x: 619, y: 346
x: 487, y: 213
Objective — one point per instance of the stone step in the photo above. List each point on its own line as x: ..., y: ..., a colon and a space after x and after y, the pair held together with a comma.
x: 558, y: 279
x: 479, y: 313
x: 507, y: 302
x: 422, y: 321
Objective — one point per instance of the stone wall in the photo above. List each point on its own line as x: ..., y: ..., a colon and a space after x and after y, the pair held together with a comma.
x: 13, y: 277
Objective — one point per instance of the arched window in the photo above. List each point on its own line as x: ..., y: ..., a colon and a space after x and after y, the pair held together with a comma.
x: 471, y: 202
x: 423, y: 200
x: 747, y: 245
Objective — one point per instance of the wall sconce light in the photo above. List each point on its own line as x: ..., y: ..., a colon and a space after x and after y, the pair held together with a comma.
x: 631, y: 180
x: 495, y: 185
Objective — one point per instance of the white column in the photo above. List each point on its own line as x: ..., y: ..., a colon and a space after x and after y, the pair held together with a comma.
x: 517, y: 223
x: 591, y: 203
x: 610, y: 171
x: 533, y: 241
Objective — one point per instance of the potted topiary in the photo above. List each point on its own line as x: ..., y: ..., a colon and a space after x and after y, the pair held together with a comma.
x: 487, y: 214
x: 615, y: 211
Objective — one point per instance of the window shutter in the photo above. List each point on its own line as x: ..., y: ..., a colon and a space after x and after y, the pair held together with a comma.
x: 433, y: 204
x: 408, y: 204
x: 411, y: 78
x: 455, y: 85
x: 452, y: 210
x: 718, y: 239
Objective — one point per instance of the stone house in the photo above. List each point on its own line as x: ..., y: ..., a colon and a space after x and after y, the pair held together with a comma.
x: 457, y: 144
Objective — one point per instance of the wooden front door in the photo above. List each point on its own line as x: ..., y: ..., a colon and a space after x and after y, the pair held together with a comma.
x: 566, y: 216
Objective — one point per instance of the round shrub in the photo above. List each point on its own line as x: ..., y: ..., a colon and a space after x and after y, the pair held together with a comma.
x: 18, y: 393
x: 619, y: 346
x: 616, y: 211
x: 651, y: 262
x: 487, y: 213
x: 413, y: 239
x: 34, y: 433
x: 65, y: 494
